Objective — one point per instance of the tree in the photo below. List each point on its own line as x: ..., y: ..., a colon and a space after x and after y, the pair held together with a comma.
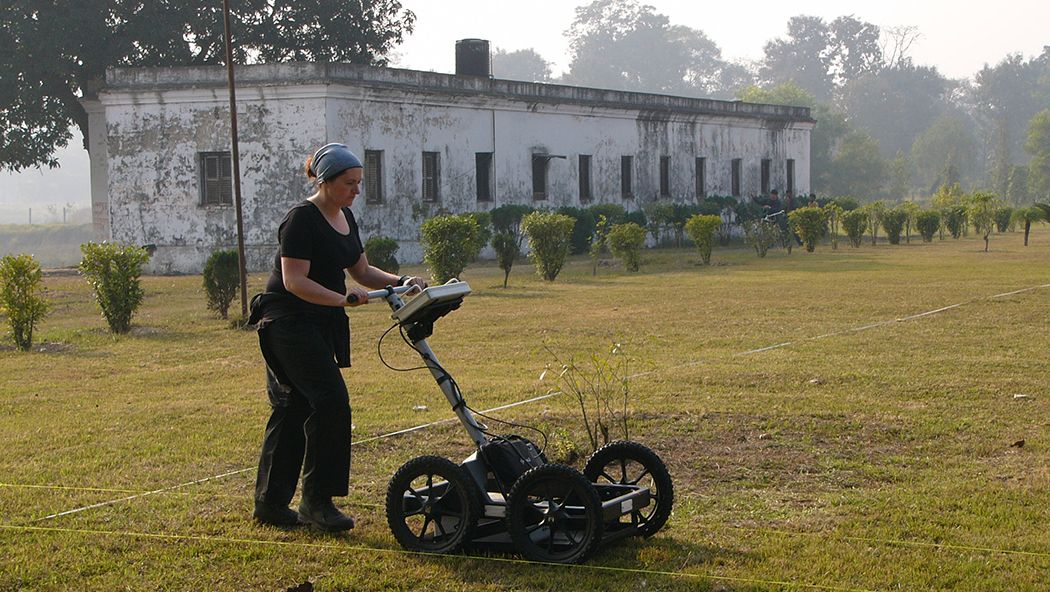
x: 1037, y: 144
x: 1029, y: 216
x: 981, y: 213
x: 901, y: 172
x: 895, y: 104
x: 523, y: 64
x: 58, y: 51
x: 946, y: 145
x: 626, y: 45
x: 858, y: 168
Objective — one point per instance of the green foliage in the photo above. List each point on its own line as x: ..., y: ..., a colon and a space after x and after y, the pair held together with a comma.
x: 858, y: 168
x: 855, y: 223
x: 761, y: 235
x: 614, y: 213
x: 601, y: 229
x: 809, y: 224
x: 581, y: 230
x: 847, y: 203
x: 947, y: 144
x: 382, y: 253
x: 507, y: 250
x: 1037, y: 143
x: 701, y: 230
x: 59, y: 52
x: 113, y: 271
x: 20, y: 298
x: 1004, y: 216
x: 507, y: 218
x: 876, y: 210
x: 928, y: 222
x: 625, y: 243
x: 955, y: 219
x: 222, y: 276
x: 638, y: 217
x: 550, y: 237
x: 833, y: 214
x: 484, y: 222
x: 449, y: 244
x: 660, y: 215
x: 981, y: 213
x: 893, y: 222
x: 1030, y: 215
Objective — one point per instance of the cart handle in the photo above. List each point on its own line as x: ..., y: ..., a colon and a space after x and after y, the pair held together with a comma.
x: 383, y: 293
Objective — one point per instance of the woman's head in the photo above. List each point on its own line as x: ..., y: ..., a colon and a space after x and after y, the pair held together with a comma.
x: 330, y: 161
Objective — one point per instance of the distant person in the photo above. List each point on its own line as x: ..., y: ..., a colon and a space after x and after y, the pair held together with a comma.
x: 304, y: 335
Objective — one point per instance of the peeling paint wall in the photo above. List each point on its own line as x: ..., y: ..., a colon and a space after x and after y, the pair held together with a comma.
x: 157, y: 121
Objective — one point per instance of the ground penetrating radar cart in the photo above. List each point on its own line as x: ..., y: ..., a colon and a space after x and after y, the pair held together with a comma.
x: 507, y: 491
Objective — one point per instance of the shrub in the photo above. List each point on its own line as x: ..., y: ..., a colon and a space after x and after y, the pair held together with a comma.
x: 928, y: 222
x: 626, y: 242
x: 893, y: 222
x: 484, y: 222
x: 382, y: 253
x: 637, y: 216
x: 549, y: 239
x: 1003, y: 218
x: 614, y: 213
x: 581, y: 230
x: 506, y: 246
x: 113, y: 270
x: 855, y: 223
x: 701, y: 229
x: 222, y: 276
x: 848, y: 204
x: 660, y: 215
x: 508, y: 219
x: 955, y: 220
x: 833, y: 213
x: 20, y: 278
x: 449, y: 243
x: 761, y: 235
x: 808, y: 223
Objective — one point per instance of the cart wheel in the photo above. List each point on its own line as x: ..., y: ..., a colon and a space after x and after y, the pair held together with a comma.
x: 432, y: 505
x: 554, y: 515
x: 630, y: 463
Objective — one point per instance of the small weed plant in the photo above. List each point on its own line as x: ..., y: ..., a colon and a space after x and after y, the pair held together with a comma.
x: 113, y: 271
x: 21, y: 300
x: 601, y: 386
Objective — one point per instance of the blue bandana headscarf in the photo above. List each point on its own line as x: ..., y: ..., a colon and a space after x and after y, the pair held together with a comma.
x: 332, y: 159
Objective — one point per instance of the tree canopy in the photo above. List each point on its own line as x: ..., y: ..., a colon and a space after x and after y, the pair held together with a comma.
x: 55, y: 52
x: 524, y: 64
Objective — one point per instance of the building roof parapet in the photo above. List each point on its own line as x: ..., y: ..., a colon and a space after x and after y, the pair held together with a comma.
x: 297, y: 73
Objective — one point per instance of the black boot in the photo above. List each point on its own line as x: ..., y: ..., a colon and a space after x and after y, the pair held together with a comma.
x: 275, y: 515
x: 322, y: 513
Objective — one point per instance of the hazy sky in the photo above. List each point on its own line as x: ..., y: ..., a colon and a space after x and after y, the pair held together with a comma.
x: 956, y: 38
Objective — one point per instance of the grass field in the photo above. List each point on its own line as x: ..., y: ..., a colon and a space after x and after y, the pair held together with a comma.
x: 873, y: 450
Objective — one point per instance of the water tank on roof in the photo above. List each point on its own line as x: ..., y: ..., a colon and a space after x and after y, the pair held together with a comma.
x: 472, y: 58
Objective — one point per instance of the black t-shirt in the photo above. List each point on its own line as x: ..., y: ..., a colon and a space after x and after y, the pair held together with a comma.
x: 306, y: 234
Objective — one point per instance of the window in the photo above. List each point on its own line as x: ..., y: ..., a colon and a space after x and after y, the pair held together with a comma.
x: 585, y: 178
x: 430, y: 177
x: 665, y: 176
x: 373, y: 184
x: 539, y: 176
x: 701, y: 177
x: 483, y: 168
x: 790, y: 176
x: 766, y: 163
x: 735, y: 172
x: 626, y: 183
x: 216, y: 179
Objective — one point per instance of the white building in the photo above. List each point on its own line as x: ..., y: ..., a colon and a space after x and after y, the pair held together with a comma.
x: 160, y: 161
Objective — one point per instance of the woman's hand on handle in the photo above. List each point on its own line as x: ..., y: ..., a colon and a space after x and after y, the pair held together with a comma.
x: 356, y: 296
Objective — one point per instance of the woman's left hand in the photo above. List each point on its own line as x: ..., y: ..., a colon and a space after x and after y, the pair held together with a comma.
x: 414, y: 281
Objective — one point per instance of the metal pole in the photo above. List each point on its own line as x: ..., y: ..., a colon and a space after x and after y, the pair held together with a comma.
x: 236, y: 160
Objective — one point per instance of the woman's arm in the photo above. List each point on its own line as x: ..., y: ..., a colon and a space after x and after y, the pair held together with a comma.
x: 294, y: 272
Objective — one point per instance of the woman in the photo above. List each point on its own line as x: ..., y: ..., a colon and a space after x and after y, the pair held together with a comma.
x: 304, y: 335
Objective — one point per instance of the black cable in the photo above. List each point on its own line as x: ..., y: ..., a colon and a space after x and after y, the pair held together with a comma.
x: 379, y: 350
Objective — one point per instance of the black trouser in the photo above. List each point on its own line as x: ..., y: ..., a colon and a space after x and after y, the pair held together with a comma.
x: 309, y: 428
